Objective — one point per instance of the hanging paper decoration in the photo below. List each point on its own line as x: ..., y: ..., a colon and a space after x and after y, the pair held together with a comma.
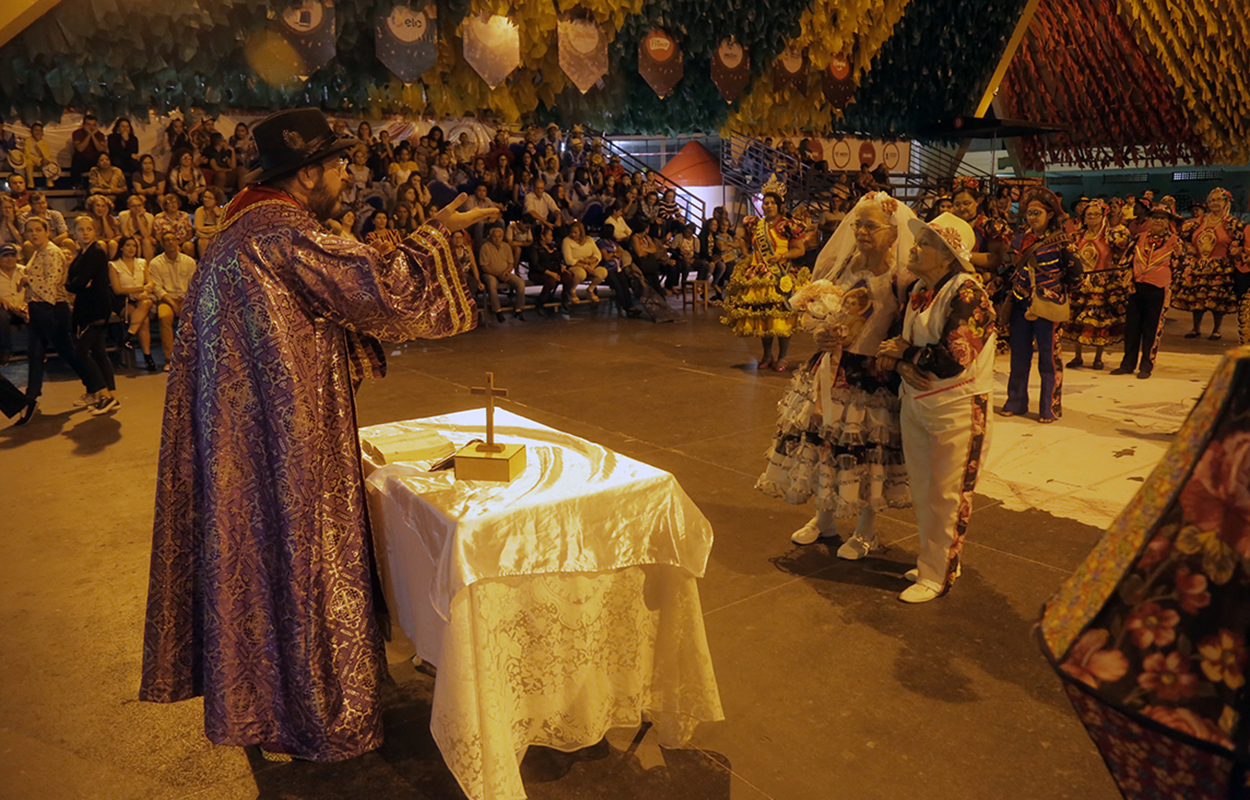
x: 1202, y: 47
x: 790, y: 70
x: 838, y: 87
x: 660, y: 61
x: 731, y: 68
x: 308, y: 25
x: 583, y: 51
x: 858, y: 28
x: 406, y: 39
x: 492, y: 46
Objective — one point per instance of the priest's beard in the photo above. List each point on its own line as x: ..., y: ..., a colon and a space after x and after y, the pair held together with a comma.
x: 322, y: 201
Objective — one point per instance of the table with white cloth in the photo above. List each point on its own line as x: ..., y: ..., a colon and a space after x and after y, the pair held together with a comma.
x: 555, y: 607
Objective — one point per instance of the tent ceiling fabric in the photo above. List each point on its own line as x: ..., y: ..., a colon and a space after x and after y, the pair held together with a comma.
x: 1080, y: 64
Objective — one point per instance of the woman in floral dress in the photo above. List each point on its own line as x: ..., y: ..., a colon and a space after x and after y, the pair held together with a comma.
x: 1206, y: 284
x: 756, y: 297
x: 838, y: 442
x: 1099, y: 301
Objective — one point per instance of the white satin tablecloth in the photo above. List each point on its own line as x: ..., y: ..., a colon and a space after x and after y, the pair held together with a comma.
x: 555, y: 607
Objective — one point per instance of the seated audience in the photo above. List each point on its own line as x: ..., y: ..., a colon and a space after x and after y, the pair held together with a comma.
x: 86, y: 144
x: 176, y: 221
x: 10, y: 223
x: 148, y: 183
x: 684, y: 247
x: 123, y: 146
x: 13, y: 311
x: 19, y: 191
x: 53, y: 220
x: 131, y: 283
x: 169, y: 272
x: 38, y: 155
x: 186, y: 180
x: 106, y: 228
x: 381, y: 236
x: 139, y: 223
x: 106, y: 180
x: 208, y: 218
x: 222, y: 163
x: 546, y: 269
x: 494, y: 262
x: 344, y: 226
x: 582, y: 257
x: 462, y: 252
x: 649, y: 259
x: 244, y: 147
x: 618, y: 277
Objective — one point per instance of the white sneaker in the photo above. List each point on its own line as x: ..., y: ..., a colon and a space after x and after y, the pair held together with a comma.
x: 104, y: 405
x: 85, y: 400
x: 913, y: 575
x: 809, y: 533
x: 918, y: 593
x: 857, y: 547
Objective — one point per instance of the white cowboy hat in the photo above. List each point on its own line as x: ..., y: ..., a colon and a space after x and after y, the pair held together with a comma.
x: 954, y: 232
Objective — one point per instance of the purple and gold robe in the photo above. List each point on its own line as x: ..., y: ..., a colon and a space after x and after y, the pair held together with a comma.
x: 260, y: 593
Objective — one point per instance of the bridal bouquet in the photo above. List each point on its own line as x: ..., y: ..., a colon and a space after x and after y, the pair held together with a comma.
x: 825, y: 306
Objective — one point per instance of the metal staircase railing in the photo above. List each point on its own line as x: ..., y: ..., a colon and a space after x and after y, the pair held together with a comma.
x: 747, y: 163
x: 692, y: 206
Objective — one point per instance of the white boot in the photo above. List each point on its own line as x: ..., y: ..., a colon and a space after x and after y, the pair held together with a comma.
x: 821, y: 526
x: 864, y: 541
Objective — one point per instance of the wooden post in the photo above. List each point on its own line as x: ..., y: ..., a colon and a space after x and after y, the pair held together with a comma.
x: 1013, y: 44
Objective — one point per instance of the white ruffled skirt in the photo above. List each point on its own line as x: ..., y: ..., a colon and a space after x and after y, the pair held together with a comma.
x: 853, y: 460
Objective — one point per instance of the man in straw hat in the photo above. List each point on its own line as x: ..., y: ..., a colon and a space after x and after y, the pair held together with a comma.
x: 945, y: 356
x: 260, y: 596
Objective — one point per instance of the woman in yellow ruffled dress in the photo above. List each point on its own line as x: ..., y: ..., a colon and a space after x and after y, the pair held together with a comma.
x: 757, y: 298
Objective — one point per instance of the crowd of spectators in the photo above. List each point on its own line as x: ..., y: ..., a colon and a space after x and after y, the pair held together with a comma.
x: 573, y: 216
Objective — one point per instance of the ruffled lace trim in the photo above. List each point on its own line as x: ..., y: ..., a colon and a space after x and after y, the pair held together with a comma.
x: 859, y: 419
x: 843, y: 484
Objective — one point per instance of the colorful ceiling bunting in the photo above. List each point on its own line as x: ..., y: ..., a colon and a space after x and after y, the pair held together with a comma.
x: 492, y: 46
x: 731, y: 68
x: 908, y: 63
x: 790, y: 70
x: 1202, y: 45
x: 828, y: 28
x: 308, y: 25
x: 406, y: 39
x: 583, y: 51
x: 660, y: 61
x: 1079, y: 65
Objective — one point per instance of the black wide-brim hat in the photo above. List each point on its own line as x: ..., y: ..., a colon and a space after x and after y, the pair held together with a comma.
x: 287, y: 141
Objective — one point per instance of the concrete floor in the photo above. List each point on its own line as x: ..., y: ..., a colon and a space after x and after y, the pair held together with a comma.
x: 831, y: 688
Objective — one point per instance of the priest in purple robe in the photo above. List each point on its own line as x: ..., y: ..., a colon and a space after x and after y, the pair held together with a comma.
x: 260, y: 596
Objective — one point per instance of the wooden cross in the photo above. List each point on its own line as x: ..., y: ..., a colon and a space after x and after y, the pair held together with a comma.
x: 491, y: 393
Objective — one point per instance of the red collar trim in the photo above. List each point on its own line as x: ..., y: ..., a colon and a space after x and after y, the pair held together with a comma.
x: 253, y: 196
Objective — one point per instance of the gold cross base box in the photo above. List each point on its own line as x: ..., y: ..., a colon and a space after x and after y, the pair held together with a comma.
x: 480, y: 462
